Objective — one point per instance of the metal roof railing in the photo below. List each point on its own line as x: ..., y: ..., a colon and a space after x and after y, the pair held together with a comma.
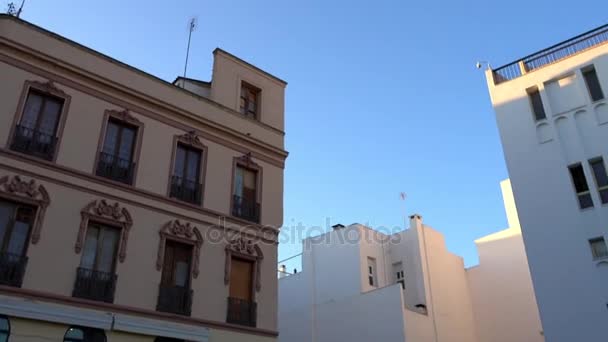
x: 551, y: 54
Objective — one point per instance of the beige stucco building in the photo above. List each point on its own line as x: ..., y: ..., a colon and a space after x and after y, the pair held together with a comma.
x: 133, y: 209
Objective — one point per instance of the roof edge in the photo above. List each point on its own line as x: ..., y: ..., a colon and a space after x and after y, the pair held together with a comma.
x: 240, y: 60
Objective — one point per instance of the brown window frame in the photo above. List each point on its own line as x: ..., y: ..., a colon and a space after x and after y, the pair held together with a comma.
x: 258, y: 101
x: 28, y: 192
x: 190, y: 140
x: 126, y: 118
x: 109, y: 214
x: 247, y: 162
x: 183, y: 233
x: 246, y: 249
x: 49, y: 88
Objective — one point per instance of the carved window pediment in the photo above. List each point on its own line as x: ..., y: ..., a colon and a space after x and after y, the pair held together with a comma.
x: 124, y: 115
x: 181, y: 232
x: 30, y: 192
x: 111, y: 214
x: 48, y: 87
x: 190, y: 138
x: 247, y: 161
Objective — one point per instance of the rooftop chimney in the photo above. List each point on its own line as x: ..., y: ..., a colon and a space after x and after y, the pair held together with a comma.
x: 282, y: 271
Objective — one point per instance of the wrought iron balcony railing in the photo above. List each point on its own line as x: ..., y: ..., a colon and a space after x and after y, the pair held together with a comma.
x: 245, y: 209
x: 115, y: 168
x: 94, y: 285
x: 552, y: 54
x: 175, y: 299
x: 12, y: 269
x: 185, y: 190
x: 34, y: 142
x: 242, y: 312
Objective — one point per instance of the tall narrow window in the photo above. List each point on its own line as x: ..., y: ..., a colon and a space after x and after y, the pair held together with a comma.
x: 95, y: 278
x: 593, y: 84
x: 398, y: 274
x: 598, y: 248
x: 371, y: 272
x: 175, y: 295
x: 241, y: 307
x: 5, y: 329
x: 116, y: 156
x: 185, y: 182
x: 537, y: 104
x: 82, y: 334
x: 601, y: 178
x: 580, y: 186
x: 249, y: 100
x: 245, y: 194
x: 15, y: 225
x: 36, y: 132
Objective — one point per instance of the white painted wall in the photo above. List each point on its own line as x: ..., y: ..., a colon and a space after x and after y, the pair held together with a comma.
x: 570, y: 287
x: 331, y: 300
x: 501, y: 287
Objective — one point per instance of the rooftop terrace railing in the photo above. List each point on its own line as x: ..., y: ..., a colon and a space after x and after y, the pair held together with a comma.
x: 551, y: 55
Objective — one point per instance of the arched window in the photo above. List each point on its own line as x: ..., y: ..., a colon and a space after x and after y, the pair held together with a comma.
x: 5, y: 328
x: 82, y: 334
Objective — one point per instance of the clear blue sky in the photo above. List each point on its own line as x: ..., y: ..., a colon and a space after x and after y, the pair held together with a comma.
x: 383, y: 96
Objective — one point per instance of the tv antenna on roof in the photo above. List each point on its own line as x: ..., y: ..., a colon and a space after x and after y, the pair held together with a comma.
x: 15, y: 12
x: 191, y: 27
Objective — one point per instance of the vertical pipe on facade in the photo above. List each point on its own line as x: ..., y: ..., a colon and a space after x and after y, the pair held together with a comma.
x: 428, y: 276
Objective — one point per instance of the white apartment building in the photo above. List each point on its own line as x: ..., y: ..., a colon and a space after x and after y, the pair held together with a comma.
x: 358, y: 284
x: 552, y: 115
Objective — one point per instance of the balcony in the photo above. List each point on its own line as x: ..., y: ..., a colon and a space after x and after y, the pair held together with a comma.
x: 12, y: 269
x: 174, y: 299
x: 185, y: 190
x: 551, y: 55
x: 242, y: 312
x: 115, y: 168
x: 245, y: 209
x: 33, y: 142
x: 94, y: 285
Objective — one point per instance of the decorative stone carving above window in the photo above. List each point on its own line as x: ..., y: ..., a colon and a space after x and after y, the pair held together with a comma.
x: 17, y: 189
x: 48, y: 87
x: 184, y: 233
x: 190, y: 138
x: 244, y: 248
x: 124, y: 115
x: 111, y: 214
x: 247, y: 161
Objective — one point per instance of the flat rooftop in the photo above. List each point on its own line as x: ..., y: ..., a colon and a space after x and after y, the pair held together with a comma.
x: 552, y: 54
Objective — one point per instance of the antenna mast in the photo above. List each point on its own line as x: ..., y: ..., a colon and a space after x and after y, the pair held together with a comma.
x: 191, y: 27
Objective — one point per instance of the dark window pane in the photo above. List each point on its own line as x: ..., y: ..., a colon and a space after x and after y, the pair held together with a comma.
x: 126, y: 143
x: 6, y: 216
x: 604, y: 196
x: 537, y: 105
x: 180, y: 161
x: 593, y: 84
x: 111, y: 139
x: 578, y: 177
x: 585, y: 201
x: 108, y: 247
x: 599, y: 170
x: 33, y: 105
x: 50, y: 116
x: 194, y: 163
